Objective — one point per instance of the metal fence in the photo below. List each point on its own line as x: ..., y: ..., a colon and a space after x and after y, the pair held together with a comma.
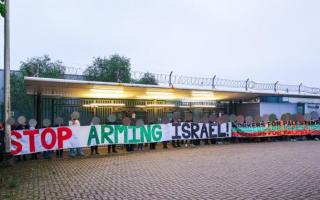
x: 52, y: 108
x: 216, y: 82
x: 213, y: 82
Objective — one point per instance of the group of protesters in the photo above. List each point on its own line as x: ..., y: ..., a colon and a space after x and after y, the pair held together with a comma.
x: 94, y: 150
x: 131, y: 147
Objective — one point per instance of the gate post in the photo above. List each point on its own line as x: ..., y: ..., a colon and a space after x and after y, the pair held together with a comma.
x: 299, y: 90
x: 275, y: 86
x: 247, y: 82
x: 213, y: 81
x: 170, y: 82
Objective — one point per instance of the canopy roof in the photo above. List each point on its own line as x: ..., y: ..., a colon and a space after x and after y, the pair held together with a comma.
x: 107, y: 90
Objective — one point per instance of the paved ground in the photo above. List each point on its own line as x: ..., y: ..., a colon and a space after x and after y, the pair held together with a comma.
x: 279, y: 170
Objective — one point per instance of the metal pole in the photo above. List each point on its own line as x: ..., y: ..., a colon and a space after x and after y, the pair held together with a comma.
x: 300, y: 88
x: 7, y: 109
x: 213, y: 82
x: 247, y: 86
x: 275, y: 86
x: 170, y: 82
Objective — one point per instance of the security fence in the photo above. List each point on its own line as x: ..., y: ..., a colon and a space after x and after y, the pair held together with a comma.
x: 53, y: 108
x: 216, y: 82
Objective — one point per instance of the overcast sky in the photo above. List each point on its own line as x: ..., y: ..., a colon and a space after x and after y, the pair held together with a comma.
x: 266, y: 40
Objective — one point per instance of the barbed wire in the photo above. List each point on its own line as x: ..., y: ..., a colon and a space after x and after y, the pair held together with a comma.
x: 212, y: 83
x: 74, y: 70
x: 75, y: 73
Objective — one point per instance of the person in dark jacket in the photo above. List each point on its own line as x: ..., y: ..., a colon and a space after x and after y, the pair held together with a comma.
x: 175, y: 143
x: 34, y: 156
x: 112, y: 147
x: 59, y: 152
x: 22, y: 126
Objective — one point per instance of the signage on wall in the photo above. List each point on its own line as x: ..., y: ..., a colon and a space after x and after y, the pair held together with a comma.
x: 309, y: 108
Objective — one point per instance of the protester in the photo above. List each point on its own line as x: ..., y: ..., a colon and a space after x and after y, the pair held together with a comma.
x: 112, y: 147
x: 49, y: 153
x: 189, y: 143
x: 165, y: 144
x: 140, y: 146
x: 59, y: 152
x: 75, y: 122
x: 22, y: 126
x: 175, y: 143
x: 34, y: 156
x: 127, y: 122
x: 152, y: 145
x: 94, y: 149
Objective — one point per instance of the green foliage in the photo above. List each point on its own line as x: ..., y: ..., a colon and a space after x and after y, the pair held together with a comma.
x: 113, y: 69
x: 21, y: 103
x: 2, y: 9
x: 42, y: 67
x: 147, y: 78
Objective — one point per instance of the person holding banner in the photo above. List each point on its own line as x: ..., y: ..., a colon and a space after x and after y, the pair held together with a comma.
x: 75, y: 122
x: 59, y: 152
x: 152, y: 145
x: 34, y: 156
x: 175, y: 143
x: 94, y: 149
x: 49, y: 153
x: 22, y: 126
x: 112, y: 147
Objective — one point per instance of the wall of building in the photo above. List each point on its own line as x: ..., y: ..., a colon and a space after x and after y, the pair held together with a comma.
x: 277, y: 108
x: 263, y: 108
x: 247, y: 109
x: 311, y: 107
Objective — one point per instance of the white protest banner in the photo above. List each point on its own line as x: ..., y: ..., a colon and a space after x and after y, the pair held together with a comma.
x: 47, y: 139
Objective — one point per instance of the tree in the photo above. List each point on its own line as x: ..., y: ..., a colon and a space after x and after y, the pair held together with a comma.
x: 43, y: 67
x: 113, y: 69
x: 2, y: 8
x: 21, y: 103
x: 147, y: 78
